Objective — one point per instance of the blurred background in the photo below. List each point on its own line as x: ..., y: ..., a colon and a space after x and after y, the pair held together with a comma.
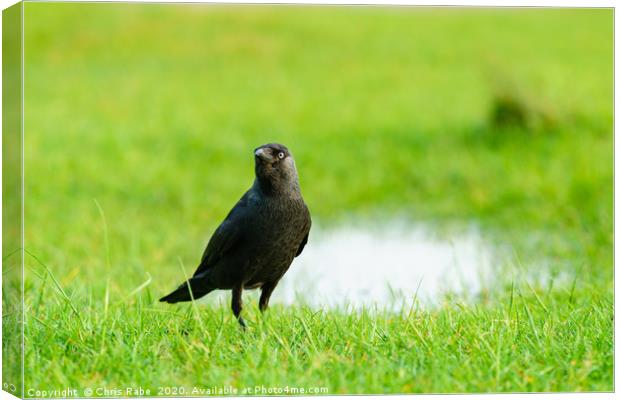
x: 498, y: 117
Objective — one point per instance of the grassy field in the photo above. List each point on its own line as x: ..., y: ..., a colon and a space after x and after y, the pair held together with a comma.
x: 140, y: 121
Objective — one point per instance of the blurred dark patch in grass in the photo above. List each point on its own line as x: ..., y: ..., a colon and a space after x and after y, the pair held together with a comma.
x: 517, y: 114
x: 509, y: 108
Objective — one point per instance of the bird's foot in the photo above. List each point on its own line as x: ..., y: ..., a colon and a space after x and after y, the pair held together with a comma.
x: 242, y: 323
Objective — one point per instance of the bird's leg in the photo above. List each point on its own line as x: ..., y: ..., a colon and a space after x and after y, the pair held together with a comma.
x: 237, y: 304
x: 266, y: 291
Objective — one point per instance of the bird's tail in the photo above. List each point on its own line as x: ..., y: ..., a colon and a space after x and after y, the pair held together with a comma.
x: 182, y: 293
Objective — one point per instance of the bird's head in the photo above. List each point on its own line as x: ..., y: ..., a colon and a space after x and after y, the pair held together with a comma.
x: 275, y: 169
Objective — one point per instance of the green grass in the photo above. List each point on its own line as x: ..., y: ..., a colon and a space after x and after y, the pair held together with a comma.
x: 456, y: 348
x: 147, y: 115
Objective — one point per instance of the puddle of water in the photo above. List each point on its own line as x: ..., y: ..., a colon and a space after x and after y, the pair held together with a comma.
x: 386, y: 267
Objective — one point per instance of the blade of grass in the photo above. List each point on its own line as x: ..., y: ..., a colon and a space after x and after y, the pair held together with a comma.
x: 59, y: 287
x: 191, y: 294
x: 106, y: 244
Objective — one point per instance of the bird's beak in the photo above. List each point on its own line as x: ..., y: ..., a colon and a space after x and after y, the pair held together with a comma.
x: 262, y: 154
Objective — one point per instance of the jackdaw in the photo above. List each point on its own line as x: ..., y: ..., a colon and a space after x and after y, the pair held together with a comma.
x: 257, y: 242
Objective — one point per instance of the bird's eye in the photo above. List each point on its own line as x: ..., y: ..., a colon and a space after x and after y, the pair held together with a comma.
x: 280, y: 155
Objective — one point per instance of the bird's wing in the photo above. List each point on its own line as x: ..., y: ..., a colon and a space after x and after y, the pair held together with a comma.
x: 226, y: 237
x: 305, y: 239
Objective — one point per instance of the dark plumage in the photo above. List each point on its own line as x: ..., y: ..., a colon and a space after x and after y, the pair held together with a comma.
x: 257, y: 242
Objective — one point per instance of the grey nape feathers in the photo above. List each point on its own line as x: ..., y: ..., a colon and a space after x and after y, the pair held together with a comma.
x: 257, y: 242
